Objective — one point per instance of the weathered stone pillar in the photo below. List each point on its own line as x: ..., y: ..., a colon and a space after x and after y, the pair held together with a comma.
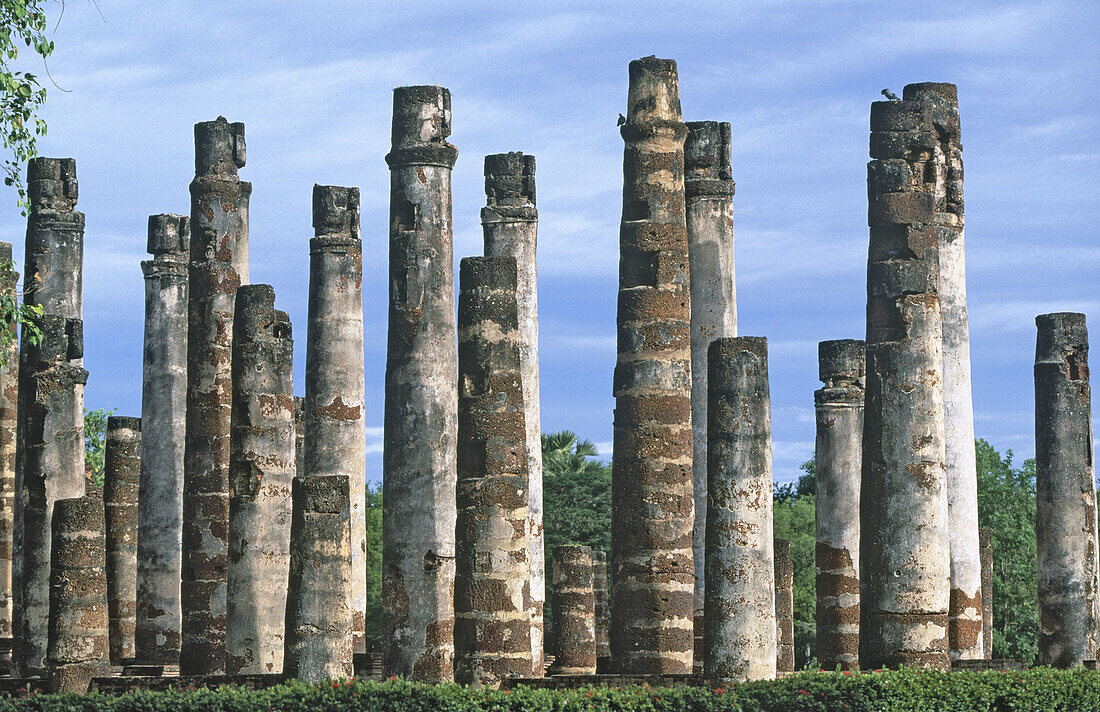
x: 78, y: 647
x: 837, y: 455
x: 299, y: 435
x: 121, y: 475
x: 164, y: 424
x: 740, y: 634
x: 318, y: 617
x: 965, y: 613
x: 418, y: 462
x: 1065, y: 494
x: 9, y: 397
x: 987, y: 592
x: 219, y: 265
x: 904, y: 540
x: 708, y: 185
x: 599, y: 594
x: 492, y: 570
x: 53, y: 281
x: 652, y: 509
x: 510, y: 225
x: 261, y: 469
x: 574, y: 611
x: 784, y: 606
x: 335, y: 425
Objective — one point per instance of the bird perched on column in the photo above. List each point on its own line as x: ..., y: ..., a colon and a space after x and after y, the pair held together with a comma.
x: 890, y: 95
x: 622, y: 120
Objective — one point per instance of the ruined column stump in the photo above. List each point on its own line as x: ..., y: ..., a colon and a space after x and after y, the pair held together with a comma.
x: 652, y: 512
x: 740, y: 634
x: 574, y: 610
x: 164, y: 424
x: 78, y: 630
x: 838, y: 454
x: 709, y: 187
x: 318, y: 643
x: 121, y: 477
x: 418, y: 460
x: 510, y: 225
x: 261, y: 469
x: 1065, y: 494
x: 784, y: 606
x: 492, y: 570
x: 904, y: 549
x: 218, y: 266
x: 599, y: 594
x: 335, y: 426
x: 9, y: 398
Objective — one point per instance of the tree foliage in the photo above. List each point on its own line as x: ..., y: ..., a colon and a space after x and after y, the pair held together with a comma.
x: 794, y: 518
x: 22, y: 22
x: 576, y: 491
x: 373, y: 556
x: 95, y: 442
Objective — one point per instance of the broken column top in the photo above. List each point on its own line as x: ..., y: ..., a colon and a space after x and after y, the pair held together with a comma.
x: 510, y: 179
x: 841, y: 362
x: 5, y: 252
x: 62, y: 339
x: 120, y: 422
x: 490, y: 273
x: 707, y: 158
x: 336, y: 212
x: 727, y: 348
x: 421, y: 125
x: 654, y: 93
x: 169, y: 237
x: 219, y: 148
x: 944, y: 100
x: 911, y: 119
x: 256, y: 316
x: 51, y: 184
x: 322, y: 494
x: 79, y: 514
x: 1060, y: 335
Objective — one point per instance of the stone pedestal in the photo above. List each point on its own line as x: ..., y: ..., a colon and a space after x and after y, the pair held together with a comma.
x: 261, y: 469
x: 740, y: 634
x: 418, y: 461
x: 121, y: 477
x: 574, y: 609
x: 652, y: 511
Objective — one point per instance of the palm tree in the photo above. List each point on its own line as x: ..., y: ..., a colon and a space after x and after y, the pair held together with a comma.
x: 563, y: 454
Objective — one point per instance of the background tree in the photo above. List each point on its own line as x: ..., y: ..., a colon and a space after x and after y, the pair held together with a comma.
x: 576, y: 493
x: 95, y: 443
x: 373, y: 555
x: 794, y: 518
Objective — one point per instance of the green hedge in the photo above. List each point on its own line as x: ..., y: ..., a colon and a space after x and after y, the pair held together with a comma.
x: 906, y: 691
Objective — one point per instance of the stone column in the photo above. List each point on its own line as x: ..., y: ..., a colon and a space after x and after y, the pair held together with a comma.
x: 121, y: 475
x: 219, y: 265
x: 164, y: 424
x: 708, y: 185
x: 418, y: 462
x: 964, y: 624
x: 987, y: 592
x: 1065, y: 494
x: 740, y: 635
x: 299, y: 435
x: 784, y: 606
x: 904, y: 537
x: 492, y: 570
x: 261, y: 469
x: 599, y: 594
x: 335, y: 428
x: 52, y: 280
x: 574, y: 610
x: 78, y: 648
x: 652, y: 509
x: 9, y: 397
x: 318, y: 642
x: 838, y: 454
x: 510, y: 225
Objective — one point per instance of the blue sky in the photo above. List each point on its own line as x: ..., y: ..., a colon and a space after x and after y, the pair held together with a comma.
x: 795, y: 78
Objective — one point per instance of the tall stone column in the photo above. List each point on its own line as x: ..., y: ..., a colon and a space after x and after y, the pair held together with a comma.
x: 335, y: 426
x: 299, y: 435
x: 904, y: 535
x: 784, y: 606
x: 492, y: 570
x: 164, y: 424
x: 740, y: 635
x: 574, y: 610
x: 1065, y: 494
x: 78, y: 632
x: 987, y: 592
x: 318, y: 643
x: 219, y: 265
x: 838, y: 454
x: 261, y: 469
x: 9, y: 397
x: 52, y: 278
x: 121, y: 476
x: 510, y: 225
x: 418, y: 461
x: 708, y: 186
x: 964, y: 622
x: 599, y: 594
x: 652, y: 509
